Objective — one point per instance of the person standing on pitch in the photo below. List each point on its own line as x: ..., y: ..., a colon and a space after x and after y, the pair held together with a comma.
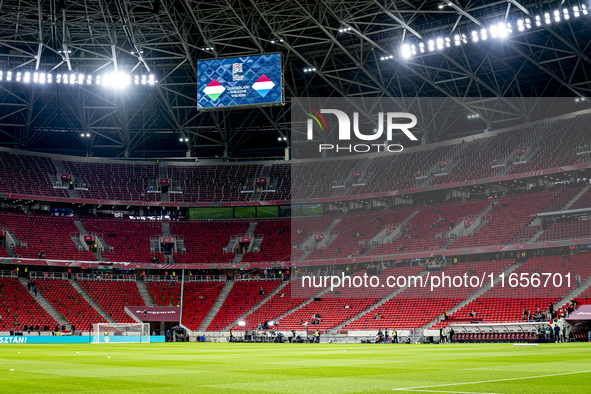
x: 386, y: 336
x: 556, y: 333
x: 394, y: 336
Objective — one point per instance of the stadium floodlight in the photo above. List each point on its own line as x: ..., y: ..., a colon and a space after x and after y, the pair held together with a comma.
x: 547, y: 18
x: 18, y: 76
x: 528, y: 23
x: 474, y: 36
x: 584, y: 8
x: 538, y: 21
x: 431, y: 44
x: 502, y: 30
x: 439, y: 42
x: 457, y: 39
x: 576, y: 11
x: 151, y: 79
x: 241, y: 323
x: 406, y: 51
x: 117, y: 80
x: 556, y: 16
x: 565, y: 13
x: 88, y: 134
x: 27, y: 77
x: 447, y: 42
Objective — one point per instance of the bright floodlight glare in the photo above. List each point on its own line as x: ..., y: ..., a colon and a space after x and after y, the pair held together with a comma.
x: 406, y: 52
x: 439, y: 42
x: 88, y: 135
x: 502, y: 30
x: 241, y: 323
x: 117, y: 80
x: 576, y: 10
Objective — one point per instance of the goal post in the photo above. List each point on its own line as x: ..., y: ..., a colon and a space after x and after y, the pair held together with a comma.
x: 121, y: 333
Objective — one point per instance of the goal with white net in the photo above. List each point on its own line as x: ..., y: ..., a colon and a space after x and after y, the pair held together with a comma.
x: 121, y: 333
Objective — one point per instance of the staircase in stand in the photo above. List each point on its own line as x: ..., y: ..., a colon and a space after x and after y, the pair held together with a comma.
x: 91, y: 302
x: 101, y: 243
x: 10, y: 242
x: 303, y: 304
x: 144, y: 292
x: 473, y: 296
x: 46, y: 305
x: 375, y: 305
x: 215, y: 308
x: 59, y: 167
x: 576, y: 198
x: 383, y: 236
x: 257, y: 306
x: 311, y: 240
x: 573, y: 294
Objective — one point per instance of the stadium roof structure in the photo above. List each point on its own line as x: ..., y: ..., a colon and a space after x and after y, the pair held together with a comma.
x: 331, y: 48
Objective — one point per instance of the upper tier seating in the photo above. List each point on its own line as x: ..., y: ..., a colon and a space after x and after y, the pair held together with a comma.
x: 212, y: 182
x: 109, y: 181
x: 205, y: 240
x: 507, y: 219
x: 44, y: 234
x: 129, y: 239
x: 546, y: 145
x: 567, y: 230
x: 30, y: 175
x: 276, y: 244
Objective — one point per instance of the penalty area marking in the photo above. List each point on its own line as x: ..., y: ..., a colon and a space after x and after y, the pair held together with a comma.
x: 417, y: 388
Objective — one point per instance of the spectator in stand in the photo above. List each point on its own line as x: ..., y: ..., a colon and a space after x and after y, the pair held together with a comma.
x: 524, y: 314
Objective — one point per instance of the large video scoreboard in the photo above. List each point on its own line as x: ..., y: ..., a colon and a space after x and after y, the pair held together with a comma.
x: 239, y: 82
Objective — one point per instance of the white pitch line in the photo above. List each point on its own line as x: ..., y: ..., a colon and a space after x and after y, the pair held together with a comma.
x: 490, y: 381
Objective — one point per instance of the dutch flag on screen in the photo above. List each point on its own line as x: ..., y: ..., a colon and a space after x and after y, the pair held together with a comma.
x: 263, y: 85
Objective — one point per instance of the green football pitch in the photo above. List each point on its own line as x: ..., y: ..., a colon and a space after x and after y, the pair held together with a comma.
x: 295, y: 368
